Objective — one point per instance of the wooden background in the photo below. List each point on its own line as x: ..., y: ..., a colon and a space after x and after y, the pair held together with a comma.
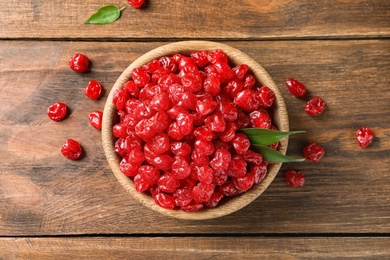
x: 54, y: 208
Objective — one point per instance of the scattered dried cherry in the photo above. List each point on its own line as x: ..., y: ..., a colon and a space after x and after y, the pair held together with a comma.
x: 57, y: 111
x: 79, y: 63
x: 364, y: 136
x: 93, y: 90
x: 136, y: 3
x: 315, y: 106
x: 313, y: 152
x: 95, y: 119
x: 71, y: 149
x: 296, y: 88
x: 294, y: 178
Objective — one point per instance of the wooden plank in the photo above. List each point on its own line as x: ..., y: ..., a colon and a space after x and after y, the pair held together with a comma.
x: 194, y: 248
x: 249, y: 19
x: 42, y: 193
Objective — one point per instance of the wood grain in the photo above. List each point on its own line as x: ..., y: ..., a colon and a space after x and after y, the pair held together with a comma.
x: 43, y: 193
x: 237, y: 19
x: 194, y: 248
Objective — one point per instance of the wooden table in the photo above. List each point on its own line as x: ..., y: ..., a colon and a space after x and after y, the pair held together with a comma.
x: 54, y: 208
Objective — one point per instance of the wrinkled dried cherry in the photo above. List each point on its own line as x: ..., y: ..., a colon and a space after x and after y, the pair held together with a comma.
x: 71, y: 149
x: 79, y: 62
x: 294, y: 178
x: 364, y: 136
x: 95, y: 119
x: 315, y: 106
x: 57, y: 111
x: 93, y: 90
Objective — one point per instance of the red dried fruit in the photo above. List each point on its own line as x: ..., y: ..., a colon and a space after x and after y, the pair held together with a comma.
x: 315, y: 106
x: 71, y: 149
x: 237, y: 167
x: 313, y: 152
x: 233, y: 87
x: 220, y: 177
x: 243, y: 119
x: 260, y: 119
x: 203, y: 133
x: 245, y: 182
x: 140, y: 183
x: 206, y: 106
x: 215, y: 198
x: 296, y: 88
x: 180, y: 148
x: 182, y: 197
x: 151, y: 66
x: 131, y: 88
x: 119, y: 130
x: 249, y: 81
x: 198, y: 158
x: 191, y: 81
x: 229, y: 189
x: 123, y: 146
x: 140, y: 77
x: 221, y: 160
x: 192, y: 206
x: 200, y: 58
x: 95, y: 119
x: 57, y: 111
x: 212, y: 84
x: 164, y: 200
x: 180, y: 168
x: 259, y: 172
x: 364, y: 136
x: 215, y: 122
x: 163, y: 162
x: 136, y: 156
x: 252, y: 157
x: 241, y: 143
x: 217, y: 56
x: 160, y: 143
x: 168, y: 183
x: 240, y: 71
x: 204, y: 147
x: 224, y: 70
x: 228, y: 110
x: 229, y: 133
x: 246, y: 99
x: 93, y: 90
x: 149, y: 174
x: 127, y: 168
x: 120, y: 98
x: 79, y: 63
x: 185, y: 123
x: 136, y: 3
x: 265, y: 97
x: 294, y: 178
x: 202, y: 192
x: 204, y: 173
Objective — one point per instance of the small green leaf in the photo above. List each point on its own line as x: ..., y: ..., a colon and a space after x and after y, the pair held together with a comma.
x: 272, y: 155
x: 106, y: 14
x: 263, y: 136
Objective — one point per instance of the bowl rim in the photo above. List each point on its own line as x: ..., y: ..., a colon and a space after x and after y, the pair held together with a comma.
x: 235, y: 56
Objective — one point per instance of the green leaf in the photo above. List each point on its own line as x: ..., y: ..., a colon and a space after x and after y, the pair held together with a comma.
x: 106, y: 14
x: 263, y: 136
x: 272, y: 155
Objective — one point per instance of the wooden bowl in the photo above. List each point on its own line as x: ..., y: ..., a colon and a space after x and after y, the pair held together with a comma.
x: 230, y: 205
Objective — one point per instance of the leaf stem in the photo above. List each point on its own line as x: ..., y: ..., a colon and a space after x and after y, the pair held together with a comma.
x: 123, y: 8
